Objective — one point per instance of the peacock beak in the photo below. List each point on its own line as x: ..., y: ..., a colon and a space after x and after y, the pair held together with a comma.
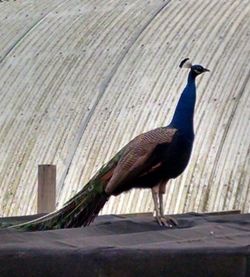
x: 205, y: 69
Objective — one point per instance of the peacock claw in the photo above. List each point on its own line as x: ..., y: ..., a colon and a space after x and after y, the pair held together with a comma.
x: 167, y: 221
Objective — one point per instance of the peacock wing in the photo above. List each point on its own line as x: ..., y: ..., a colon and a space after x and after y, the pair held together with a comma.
x: 136, y: 157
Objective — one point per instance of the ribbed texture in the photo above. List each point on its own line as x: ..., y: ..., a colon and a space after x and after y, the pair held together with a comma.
x: 79, y: 79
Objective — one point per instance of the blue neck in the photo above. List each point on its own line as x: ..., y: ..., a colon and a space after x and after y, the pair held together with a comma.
x: 184, y: 112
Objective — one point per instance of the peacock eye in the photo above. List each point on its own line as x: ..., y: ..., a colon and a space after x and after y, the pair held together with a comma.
x: 198, y: 69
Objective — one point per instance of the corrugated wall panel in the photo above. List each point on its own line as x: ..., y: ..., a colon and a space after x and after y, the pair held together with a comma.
x: 79, y: 79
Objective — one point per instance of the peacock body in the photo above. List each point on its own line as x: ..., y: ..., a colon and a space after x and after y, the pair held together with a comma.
x: 147, y: 161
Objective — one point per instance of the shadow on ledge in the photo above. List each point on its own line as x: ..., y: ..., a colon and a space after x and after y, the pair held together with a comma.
x: 216, y: 244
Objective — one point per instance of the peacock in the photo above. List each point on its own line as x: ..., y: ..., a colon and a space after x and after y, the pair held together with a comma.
x: 149, y: 160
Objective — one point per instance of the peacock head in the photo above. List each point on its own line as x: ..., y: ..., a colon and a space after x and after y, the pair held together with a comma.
x: 196, y: 69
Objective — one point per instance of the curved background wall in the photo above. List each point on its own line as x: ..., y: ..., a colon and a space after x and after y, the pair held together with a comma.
x: 79, y: 79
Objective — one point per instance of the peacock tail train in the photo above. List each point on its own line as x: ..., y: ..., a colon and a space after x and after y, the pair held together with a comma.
x: 81, y: 209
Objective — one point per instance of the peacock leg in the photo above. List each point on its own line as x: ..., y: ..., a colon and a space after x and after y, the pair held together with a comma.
x: 156, y: 205
x: 168, y: 220
x: 155, y: 194
x: 161, y: 204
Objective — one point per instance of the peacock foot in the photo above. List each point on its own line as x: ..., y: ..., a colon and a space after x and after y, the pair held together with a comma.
x: 167, y: 221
